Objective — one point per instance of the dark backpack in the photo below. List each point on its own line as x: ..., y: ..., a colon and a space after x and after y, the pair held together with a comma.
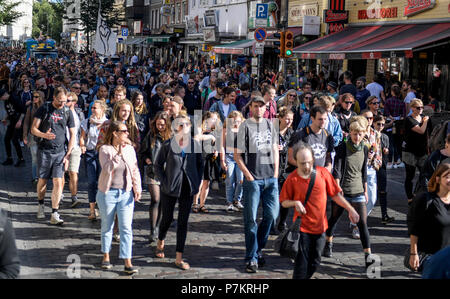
x: 436, y: 141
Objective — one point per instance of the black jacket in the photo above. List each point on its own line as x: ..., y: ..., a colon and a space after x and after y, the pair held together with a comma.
x: 147, y: 151
x: 192, y: 100
x: 170, y: 166
x: 9, y: 260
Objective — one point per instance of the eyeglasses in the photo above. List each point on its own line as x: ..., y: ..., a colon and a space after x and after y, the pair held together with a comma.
x: 380, y: 124
x: 293, y: 95
x: 369, y: 118
x: 308, y: 98
x: 419, y: 108
x: 348, y: 102
x: 76, y: 87
x: 375, y: 103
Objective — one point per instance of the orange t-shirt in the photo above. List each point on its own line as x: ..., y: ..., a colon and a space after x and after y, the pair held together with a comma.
x: 295, y: 187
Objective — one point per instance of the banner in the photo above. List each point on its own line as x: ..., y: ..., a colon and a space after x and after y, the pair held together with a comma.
x: 105, y: 38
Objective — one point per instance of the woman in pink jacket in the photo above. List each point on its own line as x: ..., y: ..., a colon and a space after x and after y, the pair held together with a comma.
x: 119, y: 186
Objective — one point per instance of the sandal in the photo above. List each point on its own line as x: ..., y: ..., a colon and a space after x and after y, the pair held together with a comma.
x: 202, y: 209
x: 182, y: 265
x: 195, y: 208
x: 92, y: 216
x: 159, y: 252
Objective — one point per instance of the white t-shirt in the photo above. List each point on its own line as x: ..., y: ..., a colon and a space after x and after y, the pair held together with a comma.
x: 409, y: 97
x: 375, y: 89
x: 225, y: 108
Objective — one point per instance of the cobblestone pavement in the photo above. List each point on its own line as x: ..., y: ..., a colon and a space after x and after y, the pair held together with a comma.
x: 215, y: 245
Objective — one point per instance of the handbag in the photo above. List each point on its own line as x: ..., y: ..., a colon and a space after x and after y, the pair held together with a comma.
x: 422, y: 258
x: 286, y: 243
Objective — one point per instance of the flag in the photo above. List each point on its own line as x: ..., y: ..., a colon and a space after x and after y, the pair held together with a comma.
x: 105, y: 38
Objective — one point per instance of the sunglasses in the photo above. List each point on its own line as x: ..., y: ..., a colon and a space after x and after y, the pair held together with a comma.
x: 348, y: 102
x: 369, y: 118
x: 419, y: 108
x: 191, y: 82
x: 293, y: 95
x: 380, y: 124
x: 76, y: 87
x: 36, y: 97
x: 308, y: 98
x: 375, y: 103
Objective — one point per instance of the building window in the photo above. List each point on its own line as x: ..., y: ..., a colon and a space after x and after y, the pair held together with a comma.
x: 147, y: 2
x: 129, y: 3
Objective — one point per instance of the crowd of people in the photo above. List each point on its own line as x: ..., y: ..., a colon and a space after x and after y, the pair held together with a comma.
x: 176, y: 131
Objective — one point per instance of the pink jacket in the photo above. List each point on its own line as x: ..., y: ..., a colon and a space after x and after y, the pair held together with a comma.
x: 109, y: 160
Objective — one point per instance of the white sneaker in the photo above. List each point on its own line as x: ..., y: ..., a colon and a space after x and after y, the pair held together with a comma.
x: 401, y: 165
x: 40, y: 213
x: 231, y: 208
x: 55, y: 219
x: 355, y: 233
x: 239, y: 205
x: 389, y: 166
x: 395, y: 165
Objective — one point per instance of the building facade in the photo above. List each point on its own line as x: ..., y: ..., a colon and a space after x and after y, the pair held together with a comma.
x: 16, y: 33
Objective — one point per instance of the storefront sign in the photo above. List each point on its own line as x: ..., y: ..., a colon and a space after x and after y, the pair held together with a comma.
x: 194, y: 25
x: 418, y: 6
x: 211, y: 18
x: 337, y: 56
x: 371, y: 55
x: 297, y: 11
x: 209, y: 34
x: 335, y: 27
x: 378, y: 13
x: 335, y: 16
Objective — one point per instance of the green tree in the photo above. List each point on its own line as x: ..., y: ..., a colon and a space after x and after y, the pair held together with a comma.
x: 47, y: 19
x: 87, y: 18
x: 8, y: 13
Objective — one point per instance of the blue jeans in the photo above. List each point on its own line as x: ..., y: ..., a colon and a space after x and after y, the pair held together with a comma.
x: 121, y: 202
x: 93, y: 172
x: 256, y: 236
x: 233, y: 180
x: 33, y: 150
x: 371, y: 189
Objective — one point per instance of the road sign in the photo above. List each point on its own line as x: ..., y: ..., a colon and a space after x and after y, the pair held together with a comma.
x: 262, y: 11
x: 124, y: 31
x: 260, y: 34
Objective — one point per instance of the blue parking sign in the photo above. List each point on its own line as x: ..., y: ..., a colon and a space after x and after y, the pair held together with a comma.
x: 124, y: 31
x: 262, y: 10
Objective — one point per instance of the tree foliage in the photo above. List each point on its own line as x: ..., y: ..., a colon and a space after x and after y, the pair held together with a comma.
x: 47, y: 19
x: 8, y: 13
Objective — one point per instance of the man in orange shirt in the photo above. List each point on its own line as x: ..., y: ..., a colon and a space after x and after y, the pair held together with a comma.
x: 314, y: 218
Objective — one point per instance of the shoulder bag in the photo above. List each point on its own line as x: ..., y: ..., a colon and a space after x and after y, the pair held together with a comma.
x: 287, y: 242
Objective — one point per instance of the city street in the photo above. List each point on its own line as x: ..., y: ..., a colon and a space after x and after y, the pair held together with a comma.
x: 215, y: 243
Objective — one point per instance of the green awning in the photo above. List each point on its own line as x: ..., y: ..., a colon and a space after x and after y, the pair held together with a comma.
x: 158, y: 39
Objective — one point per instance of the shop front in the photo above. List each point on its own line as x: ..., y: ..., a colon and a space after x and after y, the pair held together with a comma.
x: 404, y: 39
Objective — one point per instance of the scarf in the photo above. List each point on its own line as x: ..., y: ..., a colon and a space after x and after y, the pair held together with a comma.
x: 97, y: 122
x: 353, y: 147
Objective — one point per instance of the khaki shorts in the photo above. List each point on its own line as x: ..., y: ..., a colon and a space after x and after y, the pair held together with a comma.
x: 74, y: 160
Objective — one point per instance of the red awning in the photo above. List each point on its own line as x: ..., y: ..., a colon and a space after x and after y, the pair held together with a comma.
x: 373, y: 42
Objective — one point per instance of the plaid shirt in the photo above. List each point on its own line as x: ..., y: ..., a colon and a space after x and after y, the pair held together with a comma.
x: 394, y: 107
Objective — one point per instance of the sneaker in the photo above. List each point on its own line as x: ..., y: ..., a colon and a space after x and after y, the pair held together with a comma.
x: 231, y: 208
x: 328, y: 249
x: 401, y: 165
x: 106, y: 265
x: 252, y: 267
x: 389, y: 166
x: 8, y: 161
x: 130, y: 270
x: 395, y: 165
x: 239, y: 205
x: 55, y: 219
x: 261, y: 260
x: 19, y: 163
x: 386, y: 219
x: 116, y: 237
x: 40, y: 213
x: 355, y: 233
x: 75, y: 201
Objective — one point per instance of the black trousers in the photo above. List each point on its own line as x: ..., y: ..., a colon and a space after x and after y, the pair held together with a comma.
x: 309, y: 254
x: 13, y: 134
x: 184, y: 208
x: 381, y: 190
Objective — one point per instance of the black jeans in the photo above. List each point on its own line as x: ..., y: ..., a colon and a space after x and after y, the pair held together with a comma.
x: 410, y: 174
x: 13, y: 134
x: 184, y: 208
x: 395, y: 147
x: 381, y: 189
x: 309, y: 254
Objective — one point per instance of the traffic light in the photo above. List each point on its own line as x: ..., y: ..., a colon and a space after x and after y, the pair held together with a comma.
x: 279, y: 43
x: 288, y: 43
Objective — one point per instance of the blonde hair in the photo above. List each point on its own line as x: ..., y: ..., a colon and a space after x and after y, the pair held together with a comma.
x: 130, y: 122
x: 326, y: 102
x: 358, y: 123
x: 416, y: 102
x: 73, y: 96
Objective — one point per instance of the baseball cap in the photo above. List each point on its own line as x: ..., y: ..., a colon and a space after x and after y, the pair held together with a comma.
x: 258, y: 99
x: 332, y: 84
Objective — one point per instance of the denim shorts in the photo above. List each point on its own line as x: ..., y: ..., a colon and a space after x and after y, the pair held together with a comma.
x: 358, y: 198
